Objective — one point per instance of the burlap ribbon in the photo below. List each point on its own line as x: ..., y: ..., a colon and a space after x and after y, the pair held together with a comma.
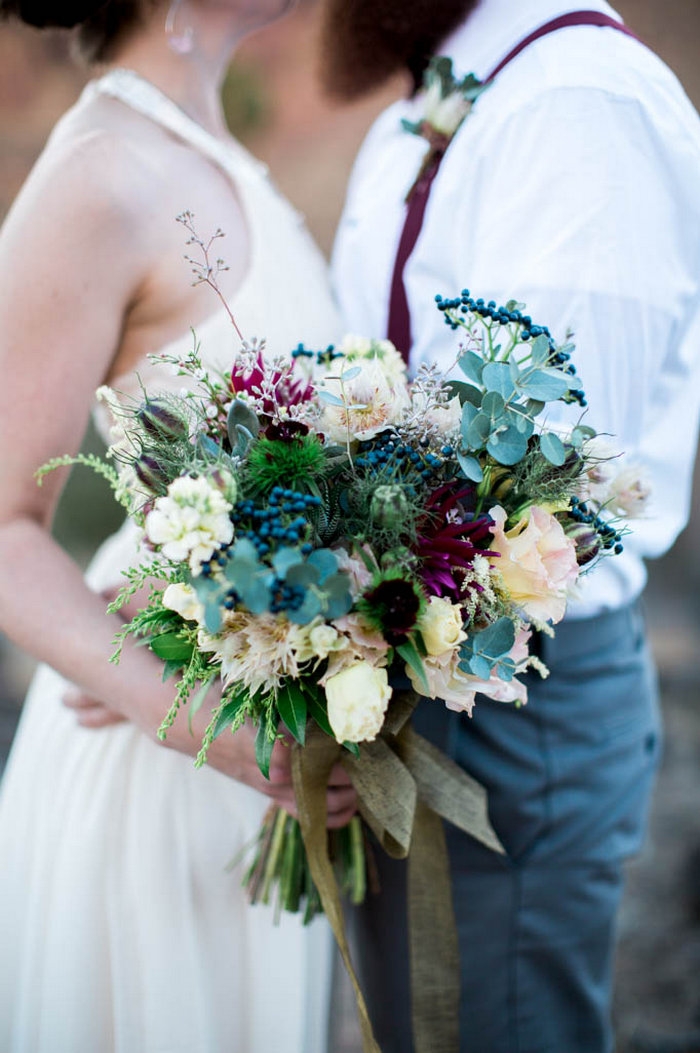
x: 404, y: 786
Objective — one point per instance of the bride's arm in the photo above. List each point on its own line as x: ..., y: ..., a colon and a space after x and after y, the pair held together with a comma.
x: 73, y: 260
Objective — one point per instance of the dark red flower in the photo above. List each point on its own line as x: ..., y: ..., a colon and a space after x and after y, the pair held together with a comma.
x: 449, y: 536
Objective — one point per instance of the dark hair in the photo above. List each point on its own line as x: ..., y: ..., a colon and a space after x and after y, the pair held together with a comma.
x: 100, y: 24
x: 364, y: 42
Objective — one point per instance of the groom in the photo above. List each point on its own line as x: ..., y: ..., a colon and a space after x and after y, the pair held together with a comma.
x: 574, y: 185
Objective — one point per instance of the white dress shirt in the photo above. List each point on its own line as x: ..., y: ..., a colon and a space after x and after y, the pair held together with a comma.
x: 574, y: 186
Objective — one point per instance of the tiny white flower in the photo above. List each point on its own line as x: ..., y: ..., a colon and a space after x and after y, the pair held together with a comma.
x: 190, y: 521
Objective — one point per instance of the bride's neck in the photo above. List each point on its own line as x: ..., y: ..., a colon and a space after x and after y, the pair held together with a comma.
x: 192, y: 80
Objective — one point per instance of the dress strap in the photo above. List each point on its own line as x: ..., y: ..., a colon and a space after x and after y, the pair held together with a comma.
x: 399, y: 325
x: 144, y: 97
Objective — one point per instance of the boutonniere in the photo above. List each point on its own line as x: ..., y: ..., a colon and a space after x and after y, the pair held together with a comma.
x: 445, y: 102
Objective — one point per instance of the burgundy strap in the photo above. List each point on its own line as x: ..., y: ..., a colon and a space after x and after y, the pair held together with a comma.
x: 399, y: 327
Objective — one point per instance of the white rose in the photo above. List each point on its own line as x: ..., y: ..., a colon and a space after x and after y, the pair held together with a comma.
x: 441, y: 626
x: 630, y: 491
x: 183, y: 600
x: 324, y: 639
x: 357, y: 697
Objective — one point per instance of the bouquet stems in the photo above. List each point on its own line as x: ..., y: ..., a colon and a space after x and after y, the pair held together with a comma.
x: 279, y: 870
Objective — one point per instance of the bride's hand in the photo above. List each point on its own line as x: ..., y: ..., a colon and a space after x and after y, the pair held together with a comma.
x: 234, y: 755
x: 90, y: 713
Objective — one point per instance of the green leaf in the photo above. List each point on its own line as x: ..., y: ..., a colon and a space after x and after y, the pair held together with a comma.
x: 493, y: 405
x: 171, y: 669
x: 540, y: 350
x: 293, y: 709
x: 352, y: 747
x: 229, y: 713
x: 552, y: 448
x: 496, y: 377
x: 508, y: 446
x: 330, y: 398
x: 544, y: 385
x: 171, y: 648
x: 478, y: 432
x: 319, y: 713
x: 471, y: 467
x: 264, y: 744
x: 465, y: 392
x: 472, y: 365
x: 240, y: 415
x: 197, y: 700
x: 324, y: 561
x: 411, y: 657
x: 496, y: 640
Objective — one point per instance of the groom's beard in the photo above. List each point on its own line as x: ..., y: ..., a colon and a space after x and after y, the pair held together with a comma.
x: 365, y: 42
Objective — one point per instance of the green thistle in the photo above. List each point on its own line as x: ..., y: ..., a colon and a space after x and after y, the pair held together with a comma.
x: 295, y: 464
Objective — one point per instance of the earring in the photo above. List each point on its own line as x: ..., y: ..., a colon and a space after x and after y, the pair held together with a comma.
x: 181, y: 42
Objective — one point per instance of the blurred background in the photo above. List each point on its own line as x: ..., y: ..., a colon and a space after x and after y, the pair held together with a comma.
x: 274, y: 105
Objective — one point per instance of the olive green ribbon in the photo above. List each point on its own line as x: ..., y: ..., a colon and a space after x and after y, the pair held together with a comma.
x: 405, y: 786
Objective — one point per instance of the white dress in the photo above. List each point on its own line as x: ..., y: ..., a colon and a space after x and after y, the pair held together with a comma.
x: 121, y: 931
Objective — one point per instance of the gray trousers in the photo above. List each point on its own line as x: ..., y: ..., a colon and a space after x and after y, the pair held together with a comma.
x: 569, y: 778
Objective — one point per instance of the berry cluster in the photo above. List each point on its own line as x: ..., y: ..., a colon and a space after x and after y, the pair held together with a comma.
x: 389, y: 451
x: 609, y: 537
x: 466, y: 304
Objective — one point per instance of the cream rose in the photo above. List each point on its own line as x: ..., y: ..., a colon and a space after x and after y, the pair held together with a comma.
x: 441, y: 626
x: 357, y: 697
x: 536, y: 562
x: 183, y: 600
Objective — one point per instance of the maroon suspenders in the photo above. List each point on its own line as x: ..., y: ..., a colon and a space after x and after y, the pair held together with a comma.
x: 399, y: 327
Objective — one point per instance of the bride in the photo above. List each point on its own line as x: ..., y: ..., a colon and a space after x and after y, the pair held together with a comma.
x: 120, y: 928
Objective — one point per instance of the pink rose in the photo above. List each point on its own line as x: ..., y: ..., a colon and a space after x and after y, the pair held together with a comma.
x: 536, y: 561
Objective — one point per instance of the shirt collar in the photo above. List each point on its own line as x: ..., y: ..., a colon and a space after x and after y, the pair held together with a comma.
x: 496, y: 26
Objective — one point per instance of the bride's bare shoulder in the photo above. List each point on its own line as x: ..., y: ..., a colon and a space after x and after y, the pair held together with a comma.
x: 97, y: 165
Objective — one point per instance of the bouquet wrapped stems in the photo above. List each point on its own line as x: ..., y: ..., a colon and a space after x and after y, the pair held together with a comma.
x: 279, y: 870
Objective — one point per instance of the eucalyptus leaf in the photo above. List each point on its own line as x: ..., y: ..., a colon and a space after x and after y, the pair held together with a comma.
x: 465, y: 392
x: 496, y: 640
x: 552, y: 448
x: 508, y: 446
x: 350, y: 374
x: 480, y: 666
x: 324, y: 561
x: 545, y: 385
x: 493, y: 405
x: 472, y: 365
x: 330, y: 398
x: 496, y: 377
x: 478, y: 432
x: 310, y: 609
x: 471, y: 467
x: 212, y: 616
x: 540, y: 350
x: 285, y: 558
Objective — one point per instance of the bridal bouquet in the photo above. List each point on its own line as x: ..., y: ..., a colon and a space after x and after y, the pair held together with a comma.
x: 322, y: 535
